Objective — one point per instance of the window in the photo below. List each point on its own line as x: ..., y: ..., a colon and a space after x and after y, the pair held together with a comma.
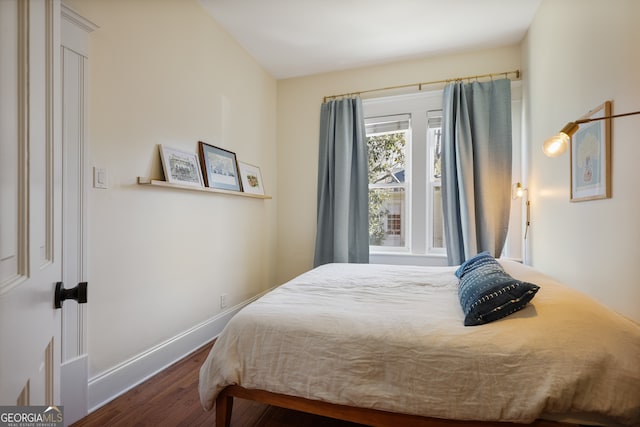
x: 404, y: 137
x: 405, y: 207
x: 394, y: 224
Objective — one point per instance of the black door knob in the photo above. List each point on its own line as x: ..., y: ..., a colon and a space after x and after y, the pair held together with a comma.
x: 79, y: 293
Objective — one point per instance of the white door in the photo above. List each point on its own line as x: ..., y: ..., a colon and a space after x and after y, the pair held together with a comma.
x: 30, y: 202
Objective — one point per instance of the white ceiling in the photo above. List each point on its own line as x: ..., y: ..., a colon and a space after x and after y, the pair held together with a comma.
x: 292, y: 38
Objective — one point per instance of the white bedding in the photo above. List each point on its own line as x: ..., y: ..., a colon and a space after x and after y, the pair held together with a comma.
x: 392, y: 338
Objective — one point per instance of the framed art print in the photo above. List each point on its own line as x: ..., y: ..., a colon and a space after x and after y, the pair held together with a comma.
x: 220, y: 167
x: 591, y: 157
x: 180, y: 167
x: 251, y: 178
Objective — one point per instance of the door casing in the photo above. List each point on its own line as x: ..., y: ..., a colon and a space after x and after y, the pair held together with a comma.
x: 74, y: 53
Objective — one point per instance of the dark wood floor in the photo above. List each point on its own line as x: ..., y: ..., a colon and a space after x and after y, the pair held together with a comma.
x: 171, y: 399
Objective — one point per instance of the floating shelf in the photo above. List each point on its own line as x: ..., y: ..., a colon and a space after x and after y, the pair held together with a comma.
x: 165, y: 184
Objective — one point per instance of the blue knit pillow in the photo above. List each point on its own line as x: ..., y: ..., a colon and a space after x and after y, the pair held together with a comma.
x: 488, y: 293
x: 475, y: 261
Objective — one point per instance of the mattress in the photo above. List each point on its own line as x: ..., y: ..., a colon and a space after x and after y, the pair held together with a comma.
x: 392, y: 338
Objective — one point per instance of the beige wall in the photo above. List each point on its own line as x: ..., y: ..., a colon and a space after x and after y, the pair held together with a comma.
x: 577, y: 55
x: 298, y: 116
x: 160, y: 259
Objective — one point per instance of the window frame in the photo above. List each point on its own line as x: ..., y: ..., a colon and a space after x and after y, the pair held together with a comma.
x: 432, y: 184
x: 405, y: 185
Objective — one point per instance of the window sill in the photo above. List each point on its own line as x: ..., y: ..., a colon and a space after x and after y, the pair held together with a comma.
x: 407, y: 259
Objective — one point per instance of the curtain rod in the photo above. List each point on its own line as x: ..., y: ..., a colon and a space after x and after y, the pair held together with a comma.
x: 419, y: 85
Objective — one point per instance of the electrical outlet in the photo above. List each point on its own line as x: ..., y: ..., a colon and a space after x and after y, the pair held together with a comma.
x: 223, y: 301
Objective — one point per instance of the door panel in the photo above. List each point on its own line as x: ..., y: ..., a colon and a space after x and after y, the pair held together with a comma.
x: 30, y: 216
x: 12, y: 152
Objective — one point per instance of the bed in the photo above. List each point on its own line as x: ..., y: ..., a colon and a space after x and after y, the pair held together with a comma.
x: 387, y: 345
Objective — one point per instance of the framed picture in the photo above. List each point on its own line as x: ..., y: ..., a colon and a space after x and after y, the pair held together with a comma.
x: 220, y: 167
x: 180, y: 167
x: 251, y: 178
x: 591, y: 157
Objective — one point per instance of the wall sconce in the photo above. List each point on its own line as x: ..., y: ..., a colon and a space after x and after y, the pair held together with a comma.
x: 517, y: 192
x: 556, y: 145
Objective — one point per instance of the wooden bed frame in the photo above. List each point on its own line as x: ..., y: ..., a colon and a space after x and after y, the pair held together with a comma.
x: 367, y: 416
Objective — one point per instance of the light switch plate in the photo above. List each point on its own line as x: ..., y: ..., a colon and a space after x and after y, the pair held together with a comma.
x: 100, y: 178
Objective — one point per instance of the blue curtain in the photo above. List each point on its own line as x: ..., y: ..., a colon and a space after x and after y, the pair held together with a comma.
x: 343, y: 194
x: 476, y: 167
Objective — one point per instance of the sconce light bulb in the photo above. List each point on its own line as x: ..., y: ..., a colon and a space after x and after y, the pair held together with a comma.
x: 517, y: 191
x: 556, y: 145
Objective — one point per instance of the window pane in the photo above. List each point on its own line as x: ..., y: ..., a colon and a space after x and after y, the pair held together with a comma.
x: 436, y: 154
x: 435, y: 216
x: 387, y: 157
x: 387, y: 143
x: 387, y: 224
x: 437, y: 223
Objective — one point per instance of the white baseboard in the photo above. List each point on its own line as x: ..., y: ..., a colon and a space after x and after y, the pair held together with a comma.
x: 110, y: 384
